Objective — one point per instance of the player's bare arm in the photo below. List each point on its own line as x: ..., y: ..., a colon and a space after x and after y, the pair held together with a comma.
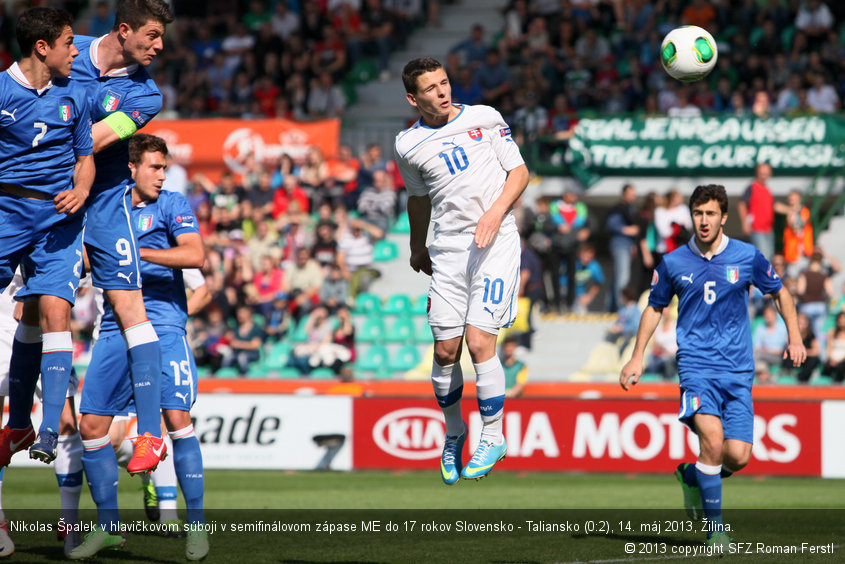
x: 71, y: 201
x: 795, y: 348
x: 198, y: 299
x: 633, y: 369
x: 419, y: 216
x: 189, y: 252
x: 105, y: 135
x: 488, y: 225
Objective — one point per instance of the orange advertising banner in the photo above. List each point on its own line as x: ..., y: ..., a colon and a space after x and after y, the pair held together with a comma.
x: 211, y: 146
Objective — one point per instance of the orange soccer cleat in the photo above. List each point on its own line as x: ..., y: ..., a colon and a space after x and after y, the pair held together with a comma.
x: 149, y: 451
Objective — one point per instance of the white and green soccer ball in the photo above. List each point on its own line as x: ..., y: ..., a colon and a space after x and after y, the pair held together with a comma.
x: 688, y: 53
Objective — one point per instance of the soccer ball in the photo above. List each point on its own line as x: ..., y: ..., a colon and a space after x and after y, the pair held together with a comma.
x: 688, y: 53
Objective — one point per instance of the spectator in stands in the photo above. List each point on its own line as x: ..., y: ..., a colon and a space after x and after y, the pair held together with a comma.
x: 623, y: 228
x: 516, y: 372
x: 627, y: 319
x: 355, y: 255
x: 664, y: 348
x: 756, y: 211
x: 769, y: 343
x: 284, y: 22
x: 572, y: 223
x: 245, y: 339
x: 377, y: 28
x: 345, y: 170
x: 215, y: 343
x: 236, y: 45
x: 261, y: 195
x: 335, y: 289
x: 531, y: 284
x: 324, y: 249
x: 465, y: 87
x: 329, y: 55
x: 815, y: 290
x: 471, y: 50
x: 589, y: 278
x: 494, y: 78
x: 303, y: 280
x: 647, y: 242
x: 318, y: 330
x: 798, y: 231
x: 835, y: 365
x: 813, y: 20
x: 821, y: 96
x: 101, y: 20
x: 672, y: 222
x: 290, y: 191
x: 263, y: 243
x: 377, y: 203
x: 811, y: 343
x: 266, y: 284
x: 313, y: 172
x: 343, y: 340
x: 277, y: 321
x: 326, y: 99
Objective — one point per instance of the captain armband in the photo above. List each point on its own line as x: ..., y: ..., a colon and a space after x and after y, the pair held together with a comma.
x: 121, y: 124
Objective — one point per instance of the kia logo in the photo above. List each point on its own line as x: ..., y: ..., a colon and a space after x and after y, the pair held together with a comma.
x: 414, y: 433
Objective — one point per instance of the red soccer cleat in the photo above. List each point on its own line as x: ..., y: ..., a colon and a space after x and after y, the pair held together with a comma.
x: 149, y: 451
x: 14, y: 440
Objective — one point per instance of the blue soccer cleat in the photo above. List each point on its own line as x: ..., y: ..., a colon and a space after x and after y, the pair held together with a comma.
x: 45, y: 446
x: 451, y: 461
x: 485, y: 457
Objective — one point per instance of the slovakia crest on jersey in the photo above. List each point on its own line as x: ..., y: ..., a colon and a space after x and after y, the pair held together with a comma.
x: 145, y: 222
x: 733, y: 274
x: 475, y: 134
x: 111, y: 101
x: 64, y: 111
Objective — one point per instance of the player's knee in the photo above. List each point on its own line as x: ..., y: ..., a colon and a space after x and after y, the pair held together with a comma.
x: 444, y: 356
x: 711, y: 449
x: 481, y: 347
x: 734, y: 461
x: 175, y: 419
x: 55, y: 319
x: 92, y: 429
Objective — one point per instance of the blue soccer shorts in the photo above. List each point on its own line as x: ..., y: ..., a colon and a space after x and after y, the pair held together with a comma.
x: 110, y: 240
x: 47, y: 246
x: 107, y: 389
x: 728, y: 397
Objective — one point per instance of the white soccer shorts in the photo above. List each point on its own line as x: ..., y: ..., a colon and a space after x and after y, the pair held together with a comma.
x: 472, y: 286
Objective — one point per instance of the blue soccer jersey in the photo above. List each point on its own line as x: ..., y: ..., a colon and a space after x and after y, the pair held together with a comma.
x: 713, y: 331
x: 42, y: 133
x: 130, y: 90
x: 157, y: 224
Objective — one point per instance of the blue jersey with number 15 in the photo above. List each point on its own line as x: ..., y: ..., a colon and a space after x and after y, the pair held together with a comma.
x: 713, y: 331
x: 41, y: 134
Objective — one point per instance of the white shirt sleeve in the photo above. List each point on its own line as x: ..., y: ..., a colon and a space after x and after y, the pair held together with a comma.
x: 193, y: 278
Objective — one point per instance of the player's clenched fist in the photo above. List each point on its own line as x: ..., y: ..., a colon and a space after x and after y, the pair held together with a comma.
x: 630, y: 374
x: 421, y: 261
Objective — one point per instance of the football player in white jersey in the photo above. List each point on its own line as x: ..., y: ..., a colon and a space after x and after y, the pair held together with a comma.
x: 463, y: 172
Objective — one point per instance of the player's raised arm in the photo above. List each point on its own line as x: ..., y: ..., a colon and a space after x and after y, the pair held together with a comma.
x: 489, y: 223
x: 633, y: 369
x: 419, y: 216
x: 795, y: 348
x: 189, y: 252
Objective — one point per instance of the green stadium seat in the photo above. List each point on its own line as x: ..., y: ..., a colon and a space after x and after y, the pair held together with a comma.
x: 650, y: 377
x: 258, y: 371
x: 406, y: 358
x: 420, y: 305
x: 384, y: 251
x: 402, y: 225
x: 367, y: 303
x: 397, y: 304
x: 821, y: 380
x: 363, y: 71
x: 372, y: 331
x: 403, y: 330
x: 289, y: 372
x: 299, y: 334
x: 278, y: 355
x: 322, y: 374
x: 203, y: 372
x: 374, y: 359
x: 227, y: 373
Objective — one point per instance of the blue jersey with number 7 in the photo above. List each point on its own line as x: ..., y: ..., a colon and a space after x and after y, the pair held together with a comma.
x: 713, y: 330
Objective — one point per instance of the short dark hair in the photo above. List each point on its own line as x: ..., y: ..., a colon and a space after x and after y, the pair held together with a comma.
x: 136, y: 13
x: 41, y: 24
x: 144, y: 143
x: 705, y: 193
x: 414, y: 69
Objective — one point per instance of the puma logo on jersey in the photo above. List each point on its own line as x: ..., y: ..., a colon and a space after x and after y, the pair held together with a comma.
x: 183, y: 397
x: 452, y: 142
x: 72, y: 289
x: 127, y: 276
x: 688, y: 278
x: 10, y: 114
x: 490, y: 311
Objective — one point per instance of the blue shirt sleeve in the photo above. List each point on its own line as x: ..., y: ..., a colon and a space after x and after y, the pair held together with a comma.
x: 661, y: 287
x: 763, y: 275
x: 180, y: 218
x: 143, y: 104
x: 83, y: 140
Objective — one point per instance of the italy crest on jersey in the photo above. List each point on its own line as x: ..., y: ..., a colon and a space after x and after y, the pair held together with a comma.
x: 145, y: 222
x: 64, y: 111
x: 475, y: 134
x: 111, y: 101
x: 733, y: 274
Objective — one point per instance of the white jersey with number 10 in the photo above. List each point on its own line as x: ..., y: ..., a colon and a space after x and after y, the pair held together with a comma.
x: 461, y: 166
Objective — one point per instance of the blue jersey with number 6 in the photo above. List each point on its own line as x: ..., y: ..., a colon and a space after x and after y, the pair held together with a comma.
x: 713, y: 331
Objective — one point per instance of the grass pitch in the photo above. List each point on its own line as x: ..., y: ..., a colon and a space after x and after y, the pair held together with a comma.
x: 262, y: 516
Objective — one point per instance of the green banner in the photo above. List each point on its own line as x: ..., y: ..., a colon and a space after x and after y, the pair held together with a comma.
x: 705, y: 146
